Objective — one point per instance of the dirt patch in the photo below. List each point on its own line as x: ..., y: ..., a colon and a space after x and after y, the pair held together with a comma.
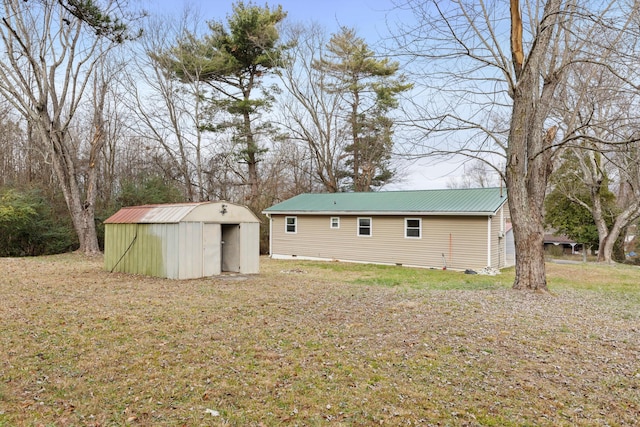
x: 305, y: 345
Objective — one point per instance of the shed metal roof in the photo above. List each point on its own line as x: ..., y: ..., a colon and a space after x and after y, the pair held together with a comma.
x: 473, y: 201
x: 168, y: 213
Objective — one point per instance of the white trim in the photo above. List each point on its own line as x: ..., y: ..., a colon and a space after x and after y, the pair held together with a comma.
x: 406, y: 227
x: 286, y: 231
x: 370, y: 226
x: 489, y: 241
x: 331, y: 218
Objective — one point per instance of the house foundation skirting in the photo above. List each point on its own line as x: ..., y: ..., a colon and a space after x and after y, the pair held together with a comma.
x: 309, y: 258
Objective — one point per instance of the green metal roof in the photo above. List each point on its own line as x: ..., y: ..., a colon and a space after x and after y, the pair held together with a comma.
x: 473, y: 201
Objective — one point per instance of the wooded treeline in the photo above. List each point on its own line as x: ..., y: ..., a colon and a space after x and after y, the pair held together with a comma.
x: 103, y: 106
x: 122, y: 108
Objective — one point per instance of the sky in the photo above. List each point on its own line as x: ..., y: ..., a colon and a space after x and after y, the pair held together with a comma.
x: 367, y: 17
x: 372, y: 20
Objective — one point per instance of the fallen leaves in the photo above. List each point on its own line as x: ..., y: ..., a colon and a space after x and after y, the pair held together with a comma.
x: 305, y: 344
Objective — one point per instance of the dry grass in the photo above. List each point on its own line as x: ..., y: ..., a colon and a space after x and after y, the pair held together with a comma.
x: 315, y: 344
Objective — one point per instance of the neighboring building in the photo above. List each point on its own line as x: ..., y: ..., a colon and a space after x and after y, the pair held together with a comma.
x: 459, y: 229
x: 564, y: 245
x: 183, y: 241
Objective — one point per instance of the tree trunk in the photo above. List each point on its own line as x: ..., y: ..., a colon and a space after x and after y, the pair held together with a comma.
x: 251, y: 159
x: 529, y: 151
x: 605, y: 248
x: 82, y: 212
x: 86, y: 230
x: 528, y: 169
x: 609, y: 236
x: 355, y: 135
x: 528, y: 232
x: 530, y: 265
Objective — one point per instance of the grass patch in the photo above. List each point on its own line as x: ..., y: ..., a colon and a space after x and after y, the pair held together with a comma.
x: 618, y: 278
x: 307, y: 343
x: 407, y: 277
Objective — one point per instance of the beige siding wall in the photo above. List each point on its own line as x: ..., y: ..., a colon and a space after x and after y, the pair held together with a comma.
x: 462, y: 240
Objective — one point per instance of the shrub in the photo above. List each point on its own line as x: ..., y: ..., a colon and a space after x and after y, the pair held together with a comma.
x: 29, y: 226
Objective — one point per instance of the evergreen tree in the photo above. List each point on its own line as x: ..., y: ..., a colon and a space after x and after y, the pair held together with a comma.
x: 369, y: 89
x: 234, y: 59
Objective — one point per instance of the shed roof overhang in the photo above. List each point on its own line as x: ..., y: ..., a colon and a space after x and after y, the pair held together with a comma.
x: 461, y: 202
x: 213, y: 211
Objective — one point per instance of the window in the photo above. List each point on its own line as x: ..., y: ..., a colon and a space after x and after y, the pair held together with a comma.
x: 335, y: 222
x: 364, y: 226
x: 413, y: 228
x: 290, y: 224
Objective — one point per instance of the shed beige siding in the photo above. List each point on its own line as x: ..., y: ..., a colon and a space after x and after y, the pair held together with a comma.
x: 139, y: 248
x: 181, y: 241
x: 250, y: 253
x: 189, y: 250
x: 161, y: 250
x: 211, y: 249
x: 223, y: 212
x: 460, y: 241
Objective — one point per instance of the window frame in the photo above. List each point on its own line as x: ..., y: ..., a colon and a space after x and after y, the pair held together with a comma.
x: 407, y: 228
x: 370, y: 226
x: 337, y: 223
x: 295, y: 224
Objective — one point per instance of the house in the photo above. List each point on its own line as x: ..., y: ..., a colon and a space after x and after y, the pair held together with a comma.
x: 560, y: 244
x: 459, y: 229
x: 183, y: 241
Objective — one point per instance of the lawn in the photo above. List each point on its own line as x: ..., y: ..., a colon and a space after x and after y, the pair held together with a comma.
x: 314, y: 344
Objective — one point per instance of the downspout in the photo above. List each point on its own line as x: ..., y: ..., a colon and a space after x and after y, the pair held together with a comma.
x: 489, y: 242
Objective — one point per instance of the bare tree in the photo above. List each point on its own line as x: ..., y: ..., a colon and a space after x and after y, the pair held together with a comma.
x: 51, y: 50
x: 172, y: 114
x: 476, y: 174
x: 116, y: 119
x: 604, y: 148
x: 483, y: 63
x: 312, y: 115
x: 13, y: 156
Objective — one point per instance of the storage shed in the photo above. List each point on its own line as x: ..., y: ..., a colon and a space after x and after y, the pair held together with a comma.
x: 183, y: 241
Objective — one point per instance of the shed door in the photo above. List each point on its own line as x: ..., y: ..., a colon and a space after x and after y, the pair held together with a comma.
x: 231, y: 247
x: 210, y: 250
